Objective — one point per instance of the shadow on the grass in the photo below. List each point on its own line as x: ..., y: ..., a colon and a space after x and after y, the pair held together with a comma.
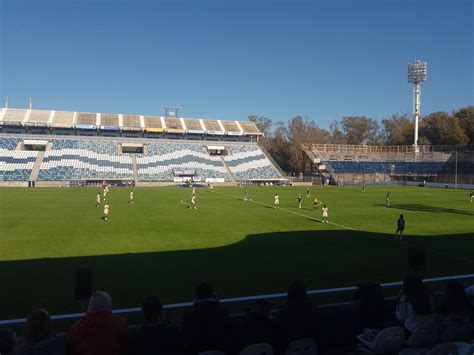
x: 259, y: 264
x: 424, y: 208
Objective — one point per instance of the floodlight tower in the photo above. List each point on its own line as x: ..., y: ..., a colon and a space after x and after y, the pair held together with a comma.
x: 417, y: 73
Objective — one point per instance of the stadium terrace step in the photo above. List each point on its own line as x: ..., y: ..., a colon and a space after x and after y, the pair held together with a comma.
x: 36, y: 166
x: 135, y: 170
x: 232, y: 177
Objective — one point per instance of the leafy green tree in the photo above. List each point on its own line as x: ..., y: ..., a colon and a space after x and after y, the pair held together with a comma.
x: 466, y: 120
x: 441, y: 128
x: 360, y: 130
x: 398, y: 130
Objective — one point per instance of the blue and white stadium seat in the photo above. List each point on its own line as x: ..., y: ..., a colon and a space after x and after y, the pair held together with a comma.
x: 248, y: 162
x: 79, y: 159
x: 16, y: 165
x: 163, y: 158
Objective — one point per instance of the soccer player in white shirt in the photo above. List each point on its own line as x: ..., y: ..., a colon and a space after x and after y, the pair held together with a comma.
x: 277, y: 201
x: 130, y: 199
x: 106, y: 211
x: 193, y: 202
x: 325, y: 214
x: 97, y: 199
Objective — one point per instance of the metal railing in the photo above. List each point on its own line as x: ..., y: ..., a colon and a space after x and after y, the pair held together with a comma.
x: 341, y: 148
x: 174, y: 306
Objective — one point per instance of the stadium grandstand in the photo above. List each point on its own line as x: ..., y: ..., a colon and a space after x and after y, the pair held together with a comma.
x: 365, y: 164
x: 55, y: 147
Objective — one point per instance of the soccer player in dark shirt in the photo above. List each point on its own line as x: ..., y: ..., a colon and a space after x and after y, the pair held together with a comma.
x: 400, y: 227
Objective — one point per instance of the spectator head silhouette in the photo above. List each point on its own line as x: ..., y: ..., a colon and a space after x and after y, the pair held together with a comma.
x: 38, y: 326
x: 152, y: 309
x: 100, y: 301
x: 416, y: 293
x: 204, y: 291
x: 455, y: 299
x: 297, y: 293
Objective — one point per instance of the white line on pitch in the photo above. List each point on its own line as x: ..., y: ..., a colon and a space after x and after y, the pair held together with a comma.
x: 295, y: 213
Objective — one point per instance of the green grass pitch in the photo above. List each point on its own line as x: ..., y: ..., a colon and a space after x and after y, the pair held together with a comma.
x: 159, y: 246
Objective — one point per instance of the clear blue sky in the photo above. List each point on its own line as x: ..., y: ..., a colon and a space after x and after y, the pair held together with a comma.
x: 229, y: 59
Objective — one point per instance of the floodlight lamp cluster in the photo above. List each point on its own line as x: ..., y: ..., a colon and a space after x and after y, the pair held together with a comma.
x: 417, y: 72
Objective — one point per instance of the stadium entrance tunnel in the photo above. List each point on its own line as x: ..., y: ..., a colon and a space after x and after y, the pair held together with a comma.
x: 259, y: 264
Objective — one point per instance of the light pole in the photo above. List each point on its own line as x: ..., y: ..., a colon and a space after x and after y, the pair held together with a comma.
x: 417, y: 73
x: 456, y: 171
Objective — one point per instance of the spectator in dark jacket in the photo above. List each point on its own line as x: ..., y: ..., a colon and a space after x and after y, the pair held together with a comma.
x: 415, y: 304
x: 298, y: 317
x: 156, y: 335
x: 454, y: 312
x: 7, y: 342
x: 206, y: 326
x: 371, y: 305
x: 258, y: 326
x: 99, y: 332
x: 40, y: 337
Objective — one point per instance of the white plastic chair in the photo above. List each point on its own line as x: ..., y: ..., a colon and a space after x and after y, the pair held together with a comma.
x: 257, y: 349
x: 305, y: 346
x: 389, y: 339
x: 424, y: 337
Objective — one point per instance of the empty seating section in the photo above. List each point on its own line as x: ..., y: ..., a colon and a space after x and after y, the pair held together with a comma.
x: 152, y: 122
x: 78, y: 158
x: 391, y: 163
x: 63, y: 118
x: 192, y: 124
x: 109, y: 120
x: 16, y: 165
x: 249, y: 127
x: 39, y: 116
x: 162, y: 158
x: 14, y: 115
x: 9, y: 143
x: 86, y: 118
x: 131, y: 121
x: 392, y: 168
x: 248, y: 162
x: 230, y: 126
x: 82, y: 159
x: 212, y: 125
x: 173, y: 123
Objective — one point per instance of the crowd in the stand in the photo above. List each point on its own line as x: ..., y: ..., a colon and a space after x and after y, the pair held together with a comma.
x: 207, y: 325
